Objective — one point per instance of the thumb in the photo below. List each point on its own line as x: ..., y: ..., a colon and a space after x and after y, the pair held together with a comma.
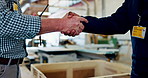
x: 72, y: 13
x: 70, y: 16
x: 83, y: 20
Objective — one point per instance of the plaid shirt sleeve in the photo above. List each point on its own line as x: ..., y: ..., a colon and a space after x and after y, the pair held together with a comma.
x: 18, y: 26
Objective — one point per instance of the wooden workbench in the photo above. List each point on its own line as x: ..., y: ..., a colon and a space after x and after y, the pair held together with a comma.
x: 103, y: 54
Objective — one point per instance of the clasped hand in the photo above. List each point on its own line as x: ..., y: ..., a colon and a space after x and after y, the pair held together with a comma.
x: 74, y: 24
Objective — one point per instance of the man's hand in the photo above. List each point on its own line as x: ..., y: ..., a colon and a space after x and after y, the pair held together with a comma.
x: 78, y: 27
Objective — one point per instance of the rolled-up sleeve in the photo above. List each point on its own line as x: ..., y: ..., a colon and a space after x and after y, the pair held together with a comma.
x: 19, y: 26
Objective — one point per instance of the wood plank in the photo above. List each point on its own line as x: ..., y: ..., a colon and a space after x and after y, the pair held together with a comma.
x: 25, y: 73
x: 83, y: 73
x: 115, y: 75
x: 60, y: 74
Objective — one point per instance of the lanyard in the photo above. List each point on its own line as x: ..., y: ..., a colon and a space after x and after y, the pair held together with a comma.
x: 139, y: 20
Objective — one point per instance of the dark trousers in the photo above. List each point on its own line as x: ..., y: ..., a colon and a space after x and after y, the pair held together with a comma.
x: 9, y: 71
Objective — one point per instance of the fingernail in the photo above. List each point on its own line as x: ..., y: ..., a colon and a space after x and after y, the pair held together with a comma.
x: 68, y: 32
x: 73, y: 31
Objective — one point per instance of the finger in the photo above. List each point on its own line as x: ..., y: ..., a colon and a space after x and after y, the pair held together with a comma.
x: 69, y: 33
x: 72, y: 32
x: 76, y: 33
x: 81, y: 26
x: 74, y: 14
x: 79, y: 31
x: 70, y: 15
x: 66, y: 33
x: 83, y: 20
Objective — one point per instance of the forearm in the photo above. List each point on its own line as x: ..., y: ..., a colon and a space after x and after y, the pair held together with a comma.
x: 101, y: 26
x: 50, y: 25
x: 106, y: 26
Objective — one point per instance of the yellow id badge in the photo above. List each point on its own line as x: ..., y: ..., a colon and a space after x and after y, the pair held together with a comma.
x: 15, y: 7
x: 139, y: 32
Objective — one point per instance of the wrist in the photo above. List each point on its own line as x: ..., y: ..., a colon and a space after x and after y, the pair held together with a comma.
x: 60, y: 24
x: 50, y: 25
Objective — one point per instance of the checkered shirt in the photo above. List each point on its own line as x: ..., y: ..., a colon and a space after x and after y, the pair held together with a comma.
x: 14, y: 29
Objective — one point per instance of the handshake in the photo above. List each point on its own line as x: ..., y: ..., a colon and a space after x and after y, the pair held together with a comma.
x: 72, y: 24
